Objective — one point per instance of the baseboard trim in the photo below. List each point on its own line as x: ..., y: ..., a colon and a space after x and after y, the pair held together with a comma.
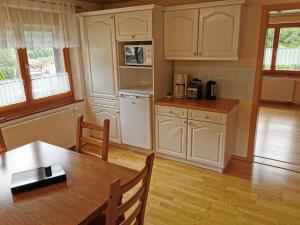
x: 241, y: 158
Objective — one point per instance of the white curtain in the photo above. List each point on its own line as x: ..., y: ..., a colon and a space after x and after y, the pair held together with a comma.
x: 36, y: 24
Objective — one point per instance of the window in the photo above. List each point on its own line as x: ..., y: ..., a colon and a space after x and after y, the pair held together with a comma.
x: 282, y: 52
x: 11, y: 84
x: 31, y: 76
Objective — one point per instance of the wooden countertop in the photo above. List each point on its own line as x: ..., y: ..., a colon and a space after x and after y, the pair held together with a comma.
x: 219, y: 105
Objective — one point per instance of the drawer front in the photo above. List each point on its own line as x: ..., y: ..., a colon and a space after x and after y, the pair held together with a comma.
x: 211, y: 117
x: 105, y: 102
x: 171, y: 111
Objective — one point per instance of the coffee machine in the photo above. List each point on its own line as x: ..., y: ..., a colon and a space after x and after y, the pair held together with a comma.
x: 180, y: 85
x: 194, y: 89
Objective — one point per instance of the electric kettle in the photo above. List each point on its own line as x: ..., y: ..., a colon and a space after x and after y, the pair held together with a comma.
x: 211, y: 90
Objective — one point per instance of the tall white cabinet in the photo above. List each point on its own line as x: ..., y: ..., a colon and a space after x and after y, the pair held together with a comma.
x: 101, y: 63
x: 205, y: 31
x: 104, y: 34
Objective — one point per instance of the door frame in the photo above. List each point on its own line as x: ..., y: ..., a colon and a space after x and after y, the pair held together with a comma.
x: 259, y: 69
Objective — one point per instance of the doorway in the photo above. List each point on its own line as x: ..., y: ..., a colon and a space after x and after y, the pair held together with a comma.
x: 277, y: 100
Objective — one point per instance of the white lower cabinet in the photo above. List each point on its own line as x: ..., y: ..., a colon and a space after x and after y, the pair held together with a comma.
x: 102, y: 113
x: 197, y: 137
x: 171, y: 136
x: 206, y: 142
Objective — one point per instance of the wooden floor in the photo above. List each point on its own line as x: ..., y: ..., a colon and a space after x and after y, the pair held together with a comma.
x: 246, y: 194
x: 278, y: 133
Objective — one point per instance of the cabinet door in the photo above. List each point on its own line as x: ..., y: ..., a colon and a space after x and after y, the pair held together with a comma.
x: 101, y: 56
x: 219, y: 32
x: 171, y: 136
x: 206, y: 143
x: 134, y: 25
x: 113, y: 115
x: 181, y: 33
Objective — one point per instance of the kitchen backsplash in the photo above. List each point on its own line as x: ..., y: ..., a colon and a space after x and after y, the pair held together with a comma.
x: 232, y: 82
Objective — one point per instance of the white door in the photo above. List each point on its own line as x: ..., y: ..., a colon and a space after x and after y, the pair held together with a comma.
x: 181, y: 33
x: 135, y: 111
x: 101, y: 54
x: 219, y: 31
x: 134, y: 25
x: 206, y: 143
x: 113, y: 115
x: 171, y: 136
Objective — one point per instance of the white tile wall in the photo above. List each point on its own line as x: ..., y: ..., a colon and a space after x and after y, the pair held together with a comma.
x: 234, y: 83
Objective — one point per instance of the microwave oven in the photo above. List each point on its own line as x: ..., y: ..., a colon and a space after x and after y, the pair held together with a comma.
x: 138, y: 55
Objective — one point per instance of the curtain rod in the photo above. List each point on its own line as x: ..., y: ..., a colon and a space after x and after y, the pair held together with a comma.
x: 54, y: 3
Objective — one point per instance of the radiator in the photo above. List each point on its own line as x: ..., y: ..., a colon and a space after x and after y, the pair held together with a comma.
x: 58, y: 129
x: 278, y: 89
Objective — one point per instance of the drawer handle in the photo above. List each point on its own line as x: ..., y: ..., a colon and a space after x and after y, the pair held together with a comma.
x: 133, y: 36
x: 207, y: 117
x: 170, y: 112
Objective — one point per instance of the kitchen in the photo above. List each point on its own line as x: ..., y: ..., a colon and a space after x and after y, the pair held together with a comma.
x: 154, y: 97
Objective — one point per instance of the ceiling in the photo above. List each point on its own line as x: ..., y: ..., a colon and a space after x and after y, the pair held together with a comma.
x: 105, y: 1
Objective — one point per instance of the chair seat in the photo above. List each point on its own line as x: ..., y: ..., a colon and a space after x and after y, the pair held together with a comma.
x: 99, y: 220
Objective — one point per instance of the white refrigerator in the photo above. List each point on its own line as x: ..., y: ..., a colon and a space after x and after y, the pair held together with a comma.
x: 135, y: 114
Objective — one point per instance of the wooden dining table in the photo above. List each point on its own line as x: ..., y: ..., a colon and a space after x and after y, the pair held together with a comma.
x: 77, y: 201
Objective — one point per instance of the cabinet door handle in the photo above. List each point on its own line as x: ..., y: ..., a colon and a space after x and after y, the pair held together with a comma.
x: 195, y: 53
x: 133, y: 36
x: 170, y: 112
x: 184, y: 122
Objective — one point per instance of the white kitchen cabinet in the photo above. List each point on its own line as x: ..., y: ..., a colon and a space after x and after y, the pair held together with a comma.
x: 100, y: 58
x: 219, y: 31
x: 181, y: 33
x: 206, y: 143
x: 136, y: 25
x: 197, y: 137
x: 205, y: 31
x: 171, y: 136
x: 102, y: 113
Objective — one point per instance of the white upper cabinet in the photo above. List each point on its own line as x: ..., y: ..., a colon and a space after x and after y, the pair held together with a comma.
x: 219, y: 31
x: 205, y: 31
x: 100, y: 59
x: 134, y: 25
x: 181, y: 32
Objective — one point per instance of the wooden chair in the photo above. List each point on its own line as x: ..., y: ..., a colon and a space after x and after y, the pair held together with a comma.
x: 136, y: 203
x: 3, y: 147
x: 101, y: 146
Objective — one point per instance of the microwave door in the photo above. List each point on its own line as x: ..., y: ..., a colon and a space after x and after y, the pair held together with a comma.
x: 130, y: 56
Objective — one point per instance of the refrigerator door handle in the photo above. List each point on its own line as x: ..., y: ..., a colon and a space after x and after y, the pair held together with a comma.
x: 128, y: 96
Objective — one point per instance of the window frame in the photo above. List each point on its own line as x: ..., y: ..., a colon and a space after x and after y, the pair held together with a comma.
x: 31, y: 105
x: 272, y: 70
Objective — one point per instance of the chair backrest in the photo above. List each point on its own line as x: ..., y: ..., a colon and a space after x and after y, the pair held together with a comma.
x: 103, y: 145
x: 3, y: 147
x: 137, y: 201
